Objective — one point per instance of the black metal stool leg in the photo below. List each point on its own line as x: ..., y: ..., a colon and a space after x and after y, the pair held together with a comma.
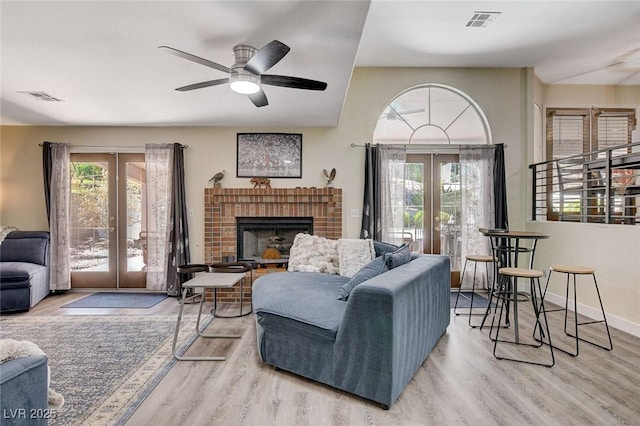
x: 578, y: 271
x: 539, y: 310
x: 455, y: 306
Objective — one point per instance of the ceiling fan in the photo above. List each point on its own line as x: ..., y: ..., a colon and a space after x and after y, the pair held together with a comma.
x: 246, y: 74
x: 627, y: 65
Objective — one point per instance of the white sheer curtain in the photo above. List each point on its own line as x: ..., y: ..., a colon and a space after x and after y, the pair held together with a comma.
x: 392, y: 170
x: 159, y: 165
x: 476, y: 176
x: 59, y: 216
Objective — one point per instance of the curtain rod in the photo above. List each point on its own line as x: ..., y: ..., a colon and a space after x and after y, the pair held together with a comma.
x: 435, y: 146
x: 112, y: 146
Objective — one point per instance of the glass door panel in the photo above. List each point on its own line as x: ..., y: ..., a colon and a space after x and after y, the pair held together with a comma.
x: 447, y: 208
x: 432, y: 206
x: 92, y: 228
x: 107, y: 232
x: 132, y: 220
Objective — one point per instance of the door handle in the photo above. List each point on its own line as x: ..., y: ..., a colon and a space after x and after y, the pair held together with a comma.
x: 111, y: 229
x: 437, y: 229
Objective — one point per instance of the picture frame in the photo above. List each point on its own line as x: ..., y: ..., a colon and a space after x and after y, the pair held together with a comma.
x: 271, y: 155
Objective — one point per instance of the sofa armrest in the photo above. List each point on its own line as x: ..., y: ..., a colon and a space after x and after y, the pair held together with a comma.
x: 391, y: 323
x: 24, y: 391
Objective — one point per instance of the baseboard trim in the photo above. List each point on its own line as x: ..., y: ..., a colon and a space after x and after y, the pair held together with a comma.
x: 588, y: 311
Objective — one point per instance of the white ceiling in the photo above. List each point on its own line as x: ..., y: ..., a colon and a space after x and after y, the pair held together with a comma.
x: 101, y: 57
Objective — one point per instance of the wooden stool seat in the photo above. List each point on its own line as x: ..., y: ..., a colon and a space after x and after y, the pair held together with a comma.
x: 521, y: 272
x: 567, y: 269
x: 574, y: 271
x: 480, y: 258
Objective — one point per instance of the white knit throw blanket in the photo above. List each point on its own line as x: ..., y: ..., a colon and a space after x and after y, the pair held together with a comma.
x: 353, y: 254
x: 4, y: 231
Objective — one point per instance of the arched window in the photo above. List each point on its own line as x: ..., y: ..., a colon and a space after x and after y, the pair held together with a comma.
x: 432, y: 114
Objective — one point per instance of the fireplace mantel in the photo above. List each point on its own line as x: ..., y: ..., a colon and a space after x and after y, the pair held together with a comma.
x: 223, y: 205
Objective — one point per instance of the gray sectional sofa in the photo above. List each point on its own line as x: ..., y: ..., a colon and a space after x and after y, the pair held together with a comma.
x: 24, y: 270
x: 370, y: 345
x: 24, y: 391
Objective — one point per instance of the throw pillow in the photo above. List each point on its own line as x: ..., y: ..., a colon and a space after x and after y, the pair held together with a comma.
x: 353, y: 254
x: 382, y: 248
x: 399, y: 257
x: 372, y: 269
x: 311, y: 253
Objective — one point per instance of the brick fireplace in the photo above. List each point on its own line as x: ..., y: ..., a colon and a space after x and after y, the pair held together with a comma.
x: 222, y: 206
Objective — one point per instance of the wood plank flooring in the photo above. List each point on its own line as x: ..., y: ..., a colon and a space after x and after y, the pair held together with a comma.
x: 460, y: 382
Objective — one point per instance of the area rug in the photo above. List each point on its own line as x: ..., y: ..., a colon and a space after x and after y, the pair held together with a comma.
x: 464, y: 301
x: 117, y: 300
x: 104, y: 366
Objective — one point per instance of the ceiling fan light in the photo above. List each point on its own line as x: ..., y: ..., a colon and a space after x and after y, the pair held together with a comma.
x: 242, y: 81
x: 244, y: 87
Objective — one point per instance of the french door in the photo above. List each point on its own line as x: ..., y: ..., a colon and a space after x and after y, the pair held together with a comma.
x: 433, y: 206
x: 108, y: 222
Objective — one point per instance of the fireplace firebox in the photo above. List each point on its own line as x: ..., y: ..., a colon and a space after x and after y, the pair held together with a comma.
x: 256, y: 235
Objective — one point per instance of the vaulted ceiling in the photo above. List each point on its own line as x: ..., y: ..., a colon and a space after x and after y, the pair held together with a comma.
x: 101, y: 58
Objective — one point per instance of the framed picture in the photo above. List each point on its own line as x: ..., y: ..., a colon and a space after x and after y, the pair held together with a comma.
x: 272, y: 155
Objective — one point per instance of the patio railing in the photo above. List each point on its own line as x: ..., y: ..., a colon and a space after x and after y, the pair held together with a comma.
x: 599, y: 186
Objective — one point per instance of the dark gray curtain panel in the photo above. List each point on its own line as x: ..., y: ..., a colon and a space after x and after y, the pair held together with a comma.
x: 371, y: 205
x: 47, y: 169
x: 179, y: 253
x: 500, y: 189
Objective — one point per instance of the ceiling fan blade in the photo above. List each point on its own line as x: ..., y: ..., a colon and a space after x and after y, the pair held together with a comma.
x: 267, y: 57
x: 203, y: 84
x: 259, y: 98
x: 194, y: 58
x: 293, y: 82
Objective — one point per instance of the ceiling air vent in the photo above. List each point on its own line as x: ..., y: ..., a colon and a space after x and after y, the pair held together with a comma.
x: 482, y: 19
x: 41, y: 96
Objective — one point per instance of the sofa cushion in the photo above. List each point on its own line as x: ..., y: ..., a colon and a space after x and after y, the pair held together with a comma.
x: 12, y: 273
x: 301, y: 299
x: 399, y: 257
x: 372, y: 269
x: 311, y: 253
x: 26, y: 246
x: 381, y: 248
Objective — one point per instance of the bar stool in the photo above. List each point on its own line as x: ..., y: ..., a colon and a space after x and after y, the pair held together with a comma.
x: 578, y: 270
x: 475, y: 258
x: 508, y: 294
x: 233, y: 268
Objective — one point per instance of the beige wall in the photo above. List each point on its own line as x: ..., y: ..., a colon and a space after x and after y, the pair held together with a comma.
x: 614, y: 250
x: 505, y: 95
x: 212, y: 149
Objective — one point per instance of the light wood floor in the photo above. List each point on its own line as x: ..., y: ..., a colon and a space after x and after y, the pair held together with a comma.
x: 459, y: 383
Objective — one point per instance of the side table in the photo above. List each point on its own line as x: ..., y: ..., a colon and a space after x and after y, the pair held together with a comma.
x: 204, y: 281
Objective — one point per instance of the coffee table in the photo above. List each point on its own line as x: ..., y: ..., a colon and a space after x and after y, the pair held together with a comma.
x: 204, y: 281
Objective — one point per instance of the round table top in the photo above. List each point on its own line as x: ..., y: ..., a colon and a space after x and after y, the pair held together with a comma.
x: 512, y: 233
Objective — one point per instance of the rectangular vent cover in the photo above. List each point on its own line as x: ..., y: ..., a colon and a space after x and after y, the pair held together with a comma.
x: 482, y: 19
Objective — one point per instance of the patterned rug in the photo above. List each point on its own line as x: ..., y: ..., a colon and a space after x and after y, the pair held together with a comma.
x: 479, y: 301
x: 104, y: 366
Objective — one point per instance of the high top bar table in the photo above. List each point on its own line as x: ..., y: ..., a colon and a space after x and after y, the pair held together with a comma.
x: 204, y: 281
x: 506, y: 246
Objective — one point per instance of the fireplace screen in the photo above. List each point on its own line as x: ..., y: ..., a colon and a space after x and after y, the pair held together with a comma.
x: 269, y: 237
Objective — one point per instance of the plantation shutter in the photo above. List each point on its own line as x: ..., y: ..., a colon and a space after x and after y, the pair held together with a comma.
x: 567, y: 133
x: 613, y: 129
x: 577, y: 131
